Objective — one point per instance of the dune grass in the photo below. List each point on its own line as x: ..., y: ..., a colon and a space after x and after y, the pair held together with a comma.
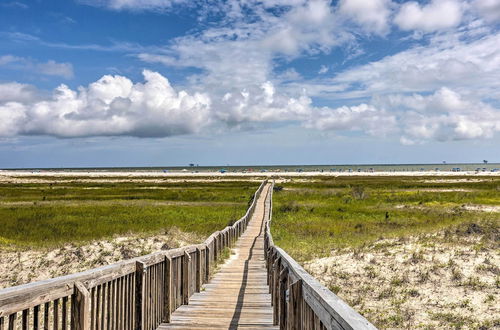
x: 53, y: 213
x: 312, y: 218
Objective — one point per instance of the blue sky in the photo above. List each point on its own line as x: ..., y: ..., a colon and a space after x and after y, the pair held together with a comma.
x: 171, y: 82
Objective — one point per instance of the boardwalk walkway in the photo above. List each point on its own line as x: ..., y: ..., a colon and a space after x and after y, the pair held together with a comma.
x: 237, y: 296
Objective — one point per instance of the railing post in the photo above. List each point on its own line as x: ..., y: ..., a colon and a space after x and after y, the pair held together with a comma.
x: 140, y: 294
x: 207, y: 263
x: 167, y: 303
x: 283, y: 286
x: 295, y: 306
x: 80, y: 308
x: 198, y: 270
x: 215, y: 249
x: 275, y: 290
x: 185, y: 278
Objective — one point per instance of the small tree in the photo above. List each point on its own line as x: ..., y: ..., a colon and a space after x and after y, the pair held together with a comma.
x: 485, y: 161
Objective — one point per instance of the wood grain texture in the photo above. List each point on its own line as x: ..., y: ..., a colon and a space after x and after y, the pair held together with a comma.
x: 238, y: 295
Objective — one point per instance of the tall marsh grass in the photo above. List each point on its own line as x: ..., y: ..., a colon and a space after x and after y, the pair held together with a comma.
x: 48, y: 214
x: 312, y: 218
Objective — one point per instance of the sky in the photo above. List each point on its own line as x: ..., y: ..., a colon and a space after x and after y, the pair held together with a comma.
x: 89, y: 83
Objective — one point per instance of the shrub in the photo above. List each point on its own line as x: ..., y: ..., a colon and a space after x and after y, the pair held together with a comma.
x: 358, y: 192
x: 289, y: 207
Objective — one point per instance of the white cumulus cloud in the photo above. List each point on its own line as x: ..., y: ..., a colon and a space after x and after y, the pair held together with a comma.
x: 113, y: 105
x: 16, y: 92
x: 363, y: 117
x: 436, y: 15
x: 444, y: 115
x: 371, y: 15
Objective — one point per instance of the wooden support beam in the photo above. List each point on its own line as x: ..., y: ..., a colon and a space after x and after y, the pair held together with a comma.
x: 283, y: 287
x: 168, y: 290
x: 207, y: 263
x: 185, y: 278
x: 12, y: 321
x: 140, y: 295
x: 216, y: 249
x: 80, y: 309
x: 275, y: 290
x: 295, y: 306
x: 198, y: 270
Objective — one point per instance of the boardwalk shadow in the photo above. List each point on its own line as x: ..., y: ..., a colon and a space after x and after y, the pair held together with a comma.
x: 241, y: 295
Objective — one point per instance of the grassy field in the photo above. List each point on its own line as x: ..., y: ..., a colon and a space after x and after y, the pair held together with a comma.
x: 406, y: 252
x: 311, y: 218
x: 41, y: 212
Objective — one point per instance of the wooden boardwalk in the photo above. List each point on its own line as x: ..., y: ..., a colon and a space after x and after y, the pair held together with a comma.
x: 237, y: 296
x: 173, y: 289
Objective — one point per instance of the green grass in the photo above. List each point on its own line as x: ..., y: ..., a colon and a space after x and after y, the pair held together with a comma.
x: 312, y: 218
x: 50, y: 214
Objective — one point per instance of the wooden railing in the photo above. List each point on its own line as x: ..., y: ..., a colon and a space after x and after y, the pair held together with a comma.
x: 299, y: 300
x: 138, y: 293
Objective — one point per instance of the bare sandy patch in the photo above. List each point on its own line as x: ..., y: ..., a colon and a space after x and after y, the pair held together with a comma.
x: 482, y: 208
x: 20, y: 176
x: 20, y: 267
x: 454, y: 180
x: 443, y: 190
x: 433, y: 281
x: 464, y: 207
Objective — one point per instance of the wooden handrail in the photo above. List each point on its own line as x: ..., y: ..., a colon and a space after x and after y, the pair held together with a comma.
x: 299, y: 300
x: 139, y: 293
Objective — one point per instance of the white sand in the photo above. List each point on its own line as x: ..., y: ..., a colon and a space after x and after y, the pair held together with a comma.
x: 218, y: 175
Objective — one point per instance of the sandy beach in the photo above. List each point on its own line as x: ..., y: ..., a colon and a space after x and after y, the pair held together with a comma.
x: 218, y: 175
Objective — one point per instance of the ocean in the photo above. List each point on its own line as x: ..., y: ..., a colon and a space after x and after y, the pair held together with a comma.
x: 292, y: 168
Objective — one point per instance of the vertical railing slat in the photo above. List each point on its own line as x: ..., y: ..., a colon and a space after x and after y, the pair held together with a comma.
x: 64, y: 313
x: 25, y: 320
x: 55, y: 315
x: 80, y: 307
x: 12, y: 321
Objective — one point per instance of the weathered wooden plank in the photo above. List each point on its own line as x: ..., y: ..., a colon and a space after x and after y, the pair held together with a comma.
x: 25, y: 324
x: 12, y: 321
x: 46, y: 308
x: 80, y: 311
x: 36, y: 318
x: 237, y: 296
x: 64, y: 313
x: 198, y: 270
x: 139, y: 295
x: 55, y: 315
x: 283, y: 285
x: 295, y: 306
x: 185, y: 278
x: 168, y: 290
